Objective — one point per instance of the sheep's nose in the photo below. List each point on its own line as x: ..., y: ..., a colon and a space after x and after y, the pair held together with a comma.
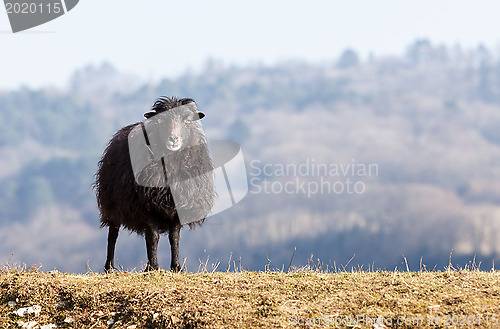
x: 173, y: 139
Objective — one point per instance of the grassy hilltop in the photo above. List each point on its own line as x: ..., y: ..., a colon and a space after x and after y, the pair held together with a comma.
x: 252, y: 299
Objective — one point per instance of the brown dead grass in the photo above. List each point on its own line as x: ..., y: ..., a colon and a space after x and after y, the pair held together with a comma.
x: 251, y: 299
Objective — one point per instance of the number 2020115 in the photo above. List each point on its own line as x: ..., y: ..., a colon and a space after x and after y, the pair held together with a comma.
x: 33, y: 8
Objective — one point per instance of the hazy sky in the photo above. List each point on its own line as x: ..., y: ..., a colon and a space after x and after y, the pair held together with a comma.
x: 157, y: 38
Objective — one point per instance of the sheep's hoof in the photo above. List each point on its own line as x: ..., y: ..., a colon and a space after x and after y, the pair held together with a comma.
x: 109, y: 268
x: 150, y: 268
x: 175, y: 268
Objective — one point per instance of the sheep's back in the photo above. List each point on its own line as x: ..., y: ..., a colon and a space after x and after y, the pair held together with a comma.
x: 116, y: 196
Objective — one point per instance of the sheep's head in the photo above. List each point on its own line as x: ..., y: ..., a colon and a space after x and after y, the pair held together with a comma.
x: 173, y: 123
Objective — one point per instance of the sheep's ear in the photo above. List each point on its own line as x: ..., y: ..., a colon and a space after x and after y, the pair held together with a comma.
x: 149, y: 114
x: 198, y: 115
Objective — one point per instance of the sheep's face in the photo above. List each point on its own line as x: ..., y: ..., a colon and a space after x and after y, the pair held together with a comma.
x: 175, y: 127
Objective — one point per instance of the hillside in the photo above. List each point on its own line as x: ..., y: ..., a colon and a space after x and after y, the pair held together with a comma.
x: 426, y: 123
x: 251, y: 299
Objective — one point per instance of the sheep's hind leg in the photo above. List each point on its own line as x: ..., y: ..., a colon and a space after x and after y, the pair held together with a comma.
x: 174, y: 236
x: 152, y: 238
x: 112, y: 236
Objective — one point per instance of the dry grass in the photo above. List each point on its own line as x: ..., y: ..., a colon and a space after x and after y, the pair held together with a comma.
x: 251, y: 299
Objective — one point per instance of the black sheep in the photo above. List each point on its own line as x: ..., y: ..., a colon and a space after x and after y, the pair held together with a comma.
x: 143, y: 201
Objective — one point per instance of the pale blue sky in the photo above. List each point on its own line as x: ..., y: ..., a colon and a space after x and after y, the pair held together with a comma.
x: 158, y: 38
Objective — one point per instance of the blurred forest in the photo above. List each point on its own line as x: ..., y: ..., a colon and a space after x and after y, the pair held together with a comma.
x: 429, y: 119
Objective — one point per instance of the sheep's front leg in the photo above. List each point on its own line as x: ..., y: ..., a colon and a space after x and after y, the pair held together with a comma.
x: 174, y: 236
x: 152, y: 238
x: 112, y: 236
